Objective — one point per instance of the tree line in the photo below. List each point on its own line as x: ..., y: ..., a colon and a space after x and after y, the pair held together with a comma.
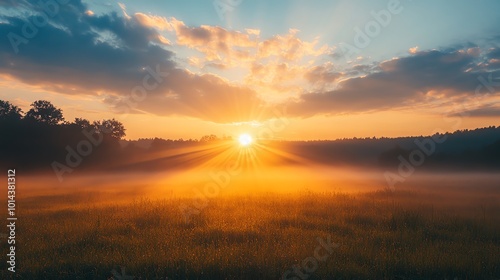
x: 41, y: 135
x: 37, y: 139
x: 44, y: 113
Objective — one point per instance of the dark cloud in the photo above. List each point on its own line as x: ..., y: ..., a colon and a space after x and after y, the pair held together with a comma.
x: 207, y: 95
x: 361, y: 70
x: 80, y: 53
x: 494, y: 53
x: 487, y: 111
x: 109, y: 55
x: 78, y: 58
x: 322, y: 74
x: 398, y: 82
x: 13, y: 3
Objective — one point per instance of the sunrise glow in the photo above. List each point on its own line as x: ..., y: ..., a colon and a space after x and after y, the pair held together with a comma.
x: 245, y: 140
x: 250, y: 139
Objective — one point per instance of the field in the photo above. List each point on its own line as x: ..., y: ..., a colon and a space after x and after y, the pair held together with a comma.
x: 256, y: 139
x: 448, y: 233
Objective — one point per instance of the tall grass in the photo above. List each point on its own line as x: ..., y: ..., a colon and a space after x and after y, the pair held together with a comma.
x: 382, y: 235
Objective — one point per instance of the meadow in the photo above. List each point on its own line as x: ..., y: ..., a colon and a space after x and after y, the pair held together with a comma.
x: 429, y: 233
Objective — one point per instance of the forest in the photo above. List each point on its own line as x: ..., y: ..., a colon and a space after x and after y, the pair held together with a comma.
x: 42, y: 140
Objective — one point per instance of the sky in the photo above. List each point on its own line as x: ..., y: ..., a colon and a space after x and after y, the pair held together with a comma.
x: 293, y: 70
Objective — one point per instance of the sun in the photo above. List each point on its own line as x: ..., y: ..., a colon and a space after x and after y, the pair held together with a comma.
x: 245, y: 139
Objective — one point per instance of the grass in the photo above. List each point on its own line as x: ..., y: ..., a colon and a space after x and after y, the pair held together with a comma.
x: 382, y: 235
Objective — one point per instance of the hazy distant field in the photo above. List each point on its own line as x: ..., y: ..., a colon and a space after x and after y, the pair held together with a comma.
x: 450, y: 231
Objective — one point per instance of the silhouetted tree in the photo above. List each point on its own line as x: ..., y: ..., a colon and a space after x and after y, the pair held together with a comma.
x: 9, y: 112
x: 112, y: 127
x: 43, y: 111
x: 82, y: 123
x: 209, y: 138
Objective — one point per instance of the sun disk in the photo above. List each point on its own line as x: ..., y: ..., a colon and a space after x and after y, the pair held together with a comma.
x: 245, y: 139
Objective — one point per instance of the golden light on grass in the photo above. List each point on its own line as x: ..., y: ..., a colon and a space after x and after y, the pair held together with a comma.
x: 241, y: 228
x: 245, y: 140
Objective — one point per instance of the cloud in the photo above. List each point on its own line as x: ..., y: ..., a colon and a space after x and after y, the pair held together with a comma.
x: 493, y: 53
x: 100, y: 53
x: 124, y: 10
x: 253, y: 31
x: 108, y: 56
x: 231, y: 47
x: 275, y: 65
x: 216, y: 43
x: 322, y: 74
x: 206, y: 97
x: 488, y: 111
x: 160, y: 23
x: 400, y: 82
x: 289, y: 47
